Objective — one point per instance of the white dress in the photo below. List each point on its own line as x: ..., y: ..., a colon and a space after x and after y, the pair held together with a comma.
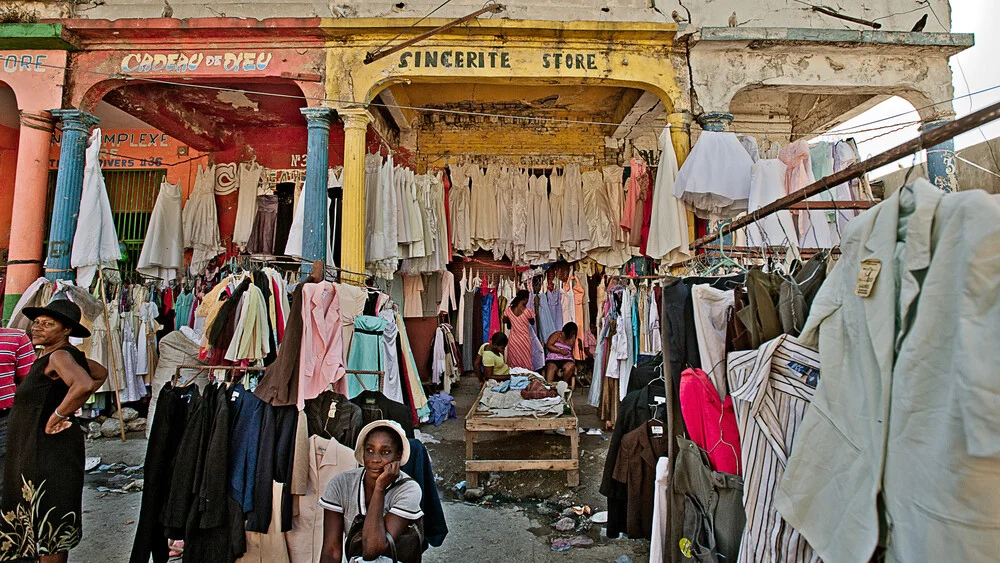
x: 715, y: 179
x: 519, y: 180
x: 505, y: 215
x: 598, y: 211
x: 619, y: 253
x: 95, y: 241
x: 668, y: 225
x: 201, y: 221
x: 460, y: 208
x: 247, y: 207
x: 485, y: 229
x: 557, y: 193
x: 537, y: 238
x: 163, y: 249
x: 575, y: 233
x: 767, y: 185
x: 374, y: 229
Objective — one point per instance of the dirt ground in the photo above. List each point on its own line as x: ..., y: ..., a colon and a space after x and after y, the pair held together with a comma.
x: 513, y: 521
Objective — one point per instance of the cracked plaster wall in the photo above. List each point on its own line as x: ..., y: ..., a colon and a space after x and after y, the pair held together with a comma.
x: 713, y: 13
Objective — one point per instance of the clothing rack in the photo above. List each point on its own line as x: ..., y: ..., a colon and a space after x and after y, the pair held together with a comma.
x: 926, y: 140
x: 200, y: 368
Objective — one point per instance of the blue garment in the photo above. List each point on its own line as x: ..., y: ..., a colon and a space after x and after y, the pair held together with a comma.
x: 550, y: 305
x: 420, y: 470
x: 537, y: 351
x: 487, y: 311
x: 442, y: 408
x: 515, y: 383
x: 246, y: 414
x: 366, y: 354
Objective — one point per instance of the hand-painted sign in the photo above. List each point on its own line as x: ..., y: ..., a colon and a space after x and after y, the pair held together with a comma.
x: 24, y: 62
x: 248, y: 61
x: 492, y: 58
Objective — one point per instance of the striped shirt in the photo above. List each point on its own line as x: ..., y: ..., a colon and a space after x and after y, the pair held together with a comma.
x: 16, y: 357
x: 771, y: 388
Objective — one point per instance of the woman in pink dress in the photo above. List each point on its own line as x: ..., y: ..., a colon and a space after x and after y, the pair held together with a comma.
x: 520, y: 320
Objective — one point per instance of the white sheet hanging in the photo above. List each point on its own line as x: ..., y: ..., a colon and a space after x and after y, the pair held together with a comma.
x: 293, y: 246
x: 95, y: 241
x: 767, y: 185
x: 163, y: 249
x: 668, y: 224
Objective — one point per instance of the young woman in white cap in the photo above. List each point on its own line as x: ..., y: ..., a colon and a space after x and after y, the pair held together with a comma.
x: 376, y: 505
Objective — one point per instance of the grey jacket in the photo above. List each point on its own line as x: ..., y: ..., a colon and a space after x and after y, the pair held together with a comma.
x: 908, y: 404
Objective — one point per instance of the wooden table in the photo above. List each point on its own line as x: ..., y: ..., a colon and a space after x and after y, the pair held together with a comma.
x: 476, y: 422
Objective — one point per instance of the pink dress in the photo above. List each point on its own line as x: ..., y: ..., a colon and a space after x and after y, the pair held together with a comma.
x: 710, y: 421
x: 519, y: 338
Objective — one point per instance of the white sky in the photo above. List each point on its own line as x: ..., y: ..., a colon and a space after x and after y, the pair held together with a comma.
x: 981, y: 71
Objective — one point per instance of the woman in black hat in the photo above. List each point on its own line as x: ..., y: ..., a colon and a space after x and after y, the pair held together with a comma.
x: 43, y: 479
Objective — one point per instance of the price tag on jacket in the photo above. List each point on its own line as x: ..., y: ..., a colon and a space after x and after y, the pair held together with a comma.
x: 870, y: 269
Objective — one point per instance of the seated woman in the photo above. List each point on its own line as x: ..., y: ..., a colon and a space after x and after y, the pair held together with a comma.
x: 374, y: 500
x: 559, y: 354
x: 489, y: 362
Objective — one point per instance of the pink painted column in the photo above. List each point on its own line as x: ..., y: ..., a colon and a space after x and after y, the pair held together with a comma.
x: 27, y: 225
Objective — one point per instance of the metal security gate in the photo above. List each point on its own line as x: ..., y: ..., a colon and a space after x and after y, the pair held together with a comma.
x: 132, y: 194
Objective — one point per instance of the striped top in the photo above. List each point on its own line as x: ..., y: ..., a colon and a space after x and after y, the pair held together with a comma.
x: 16, y: 357
x: 771, y: 389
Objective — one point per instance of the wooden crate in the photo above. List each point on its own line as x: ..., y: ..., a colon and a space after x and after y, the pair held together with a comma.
x: 476, y: 422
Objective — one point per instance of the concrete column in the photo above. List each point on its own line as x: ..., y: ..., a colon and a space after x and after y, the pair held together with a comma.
x: 941, y: 167
x: 715, y: 121
x: 317, y: 162
x: 27, y: 230
x: 352, y: 232
x: 69, y: 188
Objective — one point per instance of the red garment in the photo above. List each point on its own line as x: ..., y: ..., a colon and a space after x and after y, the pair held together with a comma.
x: 647, y: 216
x: 495, y: 314
x: 519, y: 338
x: 16, y: 357
x: 710, y: 421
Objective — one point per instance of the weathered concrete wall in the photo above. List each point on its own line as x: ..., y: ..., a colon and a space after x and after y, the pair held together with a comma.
x: 760, y: 13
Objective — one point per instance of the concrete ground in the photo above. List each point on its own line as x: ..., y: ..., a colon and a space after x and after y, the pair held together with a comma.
x: 511, y: 522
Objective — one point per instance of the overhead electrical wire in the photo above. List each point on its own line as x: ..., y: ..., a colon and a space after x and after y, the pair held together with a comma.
x: 860, y: 128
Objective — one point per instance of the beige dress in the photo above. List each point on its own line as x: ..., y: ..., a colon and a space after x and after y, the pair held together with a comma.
x: 484, y: 211
x: 459, y: 209
x: 575, y: 237
x: 556, y: 197
x: 537, y: 242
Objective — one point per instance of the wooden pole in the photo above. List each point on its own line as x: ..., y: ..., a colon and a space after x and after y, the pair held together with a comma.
x: 926, y: 140
x: 107, y: 334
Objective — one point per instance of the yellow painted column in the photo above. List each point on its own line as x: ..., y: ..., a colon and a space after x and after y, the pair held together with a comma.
x: 352, y: 230
x: 680, y: 137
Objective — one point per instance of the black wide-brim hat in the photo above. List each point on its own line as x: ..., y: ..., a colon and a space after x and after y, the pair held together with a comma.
x: 64, y: 311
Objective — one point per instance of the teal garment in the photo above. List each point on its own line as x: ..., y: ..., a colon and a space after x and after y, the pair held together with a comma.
x: 366, y: 354
x: 182, y: 309
x: 821, y: 156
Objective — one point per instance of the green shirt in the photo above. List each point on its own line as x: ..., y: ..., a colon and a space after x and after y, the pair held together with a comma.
x: 493, y: 360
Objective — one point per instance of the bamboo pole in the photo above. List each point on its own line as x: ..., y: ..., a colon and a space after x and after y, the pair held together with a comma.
x: 107, y: 334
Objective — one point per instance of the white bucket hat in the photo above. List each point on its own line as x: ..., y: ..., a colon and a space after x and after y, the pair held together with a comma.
x: 359, y: 448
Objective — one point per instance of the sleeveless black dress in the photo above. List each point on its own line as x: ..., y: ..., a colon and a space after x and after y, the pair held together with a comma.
x: 43, y: 479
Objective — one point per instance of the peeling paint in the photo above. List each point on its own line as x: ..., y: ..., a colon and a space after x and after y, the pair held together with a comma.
x: 236, y: 99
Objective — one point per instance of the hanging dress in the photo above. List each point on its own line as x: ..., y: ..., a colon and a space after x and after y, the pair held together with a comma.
x: 201, y: 221
x: 485, y: 228
x: 537, y: 243
x: 505, y: 215
x: 246, y: 209
x: 597, y: 210
x: 575, y: 236
x: 366, y: 354
x: 392, y: 386
x: 715, y: 178
x: 519, y: 214
x: 767, y: 184
x: 460, y: 209
x: 814, y: 228
x: 668, y: 233
x: 41, y: 507
x: 519, y: 338
x: 162, y: 254
x: 556, y: 198
x: 618, y: 254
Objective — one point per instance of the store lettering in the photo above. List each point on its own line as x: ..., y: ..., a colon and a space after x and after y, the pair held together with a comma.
x: 190, y: 62
x: 578, y: 61
x: 23, y: 63
x: 454, y: 59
